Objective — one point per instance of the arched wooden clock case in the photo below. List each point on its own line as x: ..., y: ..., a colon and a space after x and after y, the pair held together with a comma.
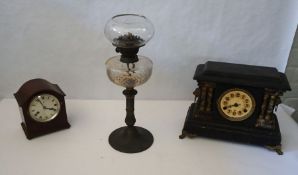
x: 265, y: 85
x: 30, y: 90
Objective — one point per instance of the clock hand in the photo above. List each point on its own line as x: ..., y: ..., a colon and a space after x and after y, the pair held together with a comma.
x: 234, y: 105
x: 53, y: 109
x: 41, y: 103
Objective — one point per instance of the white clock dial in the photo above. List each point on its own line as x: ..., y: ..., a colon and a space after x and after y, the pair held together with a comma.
x: 44, y: 107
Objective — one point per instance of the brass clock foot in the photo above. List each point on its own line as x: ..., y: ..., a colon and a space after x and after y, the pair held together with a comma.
x: 182, y: 136
x: 185, y: 133
x: 276, y: 148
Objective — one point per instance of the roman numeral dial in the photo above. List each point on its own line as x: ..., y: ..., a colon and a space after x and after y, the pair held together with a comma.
x: 44, y: 107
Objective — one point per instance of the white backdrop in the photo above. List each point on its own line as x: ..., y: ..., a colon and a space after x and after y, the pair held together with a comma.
x: 63, y: 42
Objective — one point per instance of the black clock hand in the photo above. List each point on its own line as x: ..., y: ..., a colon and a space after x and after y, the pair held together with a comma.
x: 41, y: 103
x: 53, y: 109
x: 234, y: 105
x: 44, y: 107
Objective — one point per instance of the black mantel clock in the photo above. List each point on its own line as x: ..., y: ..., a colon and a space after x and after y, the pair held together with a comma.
x: 236, y: 102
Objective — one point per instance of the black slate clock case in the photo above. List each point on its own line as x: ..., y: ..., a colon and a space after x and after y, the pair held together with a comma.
x: 265, y: 84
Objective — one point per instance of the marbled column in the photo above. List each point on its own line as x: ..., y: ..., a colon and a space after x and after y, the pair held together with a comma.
x: 196, y: 93
x: 270, y: 101
x: 261, y: 119
x: 209, y: 98
x: 203, y: 97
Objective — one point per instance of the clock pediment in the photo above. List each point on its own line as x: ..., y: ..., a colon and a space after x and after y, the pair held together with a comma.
x: 240, y: 74
x: 33, y: 87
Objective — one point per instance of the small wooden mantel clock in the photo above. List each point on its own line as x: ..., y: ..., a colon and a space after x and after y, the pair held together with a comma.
x: 42, y: 108
x: 236, y: 102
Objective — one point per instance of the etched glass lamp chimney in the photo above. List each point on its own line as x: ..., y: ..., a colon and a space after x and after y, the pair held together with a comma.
x: 129, y: 32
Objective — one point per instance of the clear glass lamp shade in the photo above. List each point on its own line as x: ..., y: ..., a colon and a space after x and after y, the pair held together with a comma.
x: 129, y: 75
x: 129, y: 30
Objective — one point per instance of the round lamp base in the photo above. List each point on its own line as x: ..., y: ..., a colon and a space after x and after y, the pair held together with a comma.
x: 131, y: 139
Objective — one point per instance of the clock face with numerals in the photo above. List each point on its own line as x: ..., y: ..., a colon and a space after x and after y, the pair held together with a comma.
x: 236, y: 104
x: 44, y: 107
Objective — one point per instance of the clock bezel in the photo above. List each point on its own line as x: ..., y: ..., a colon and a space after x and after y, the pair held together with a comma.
x: 234, y: 119
x: 51, y: 118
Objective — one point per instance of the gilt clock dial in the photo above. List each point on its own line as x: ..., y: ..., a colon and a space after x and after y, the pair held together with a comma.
x: 236, y: 104
x: 44, y: 108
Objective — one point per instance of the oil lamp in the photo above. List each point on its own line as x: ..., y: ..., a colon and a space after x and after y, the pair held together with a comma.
x: 129, y: 32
